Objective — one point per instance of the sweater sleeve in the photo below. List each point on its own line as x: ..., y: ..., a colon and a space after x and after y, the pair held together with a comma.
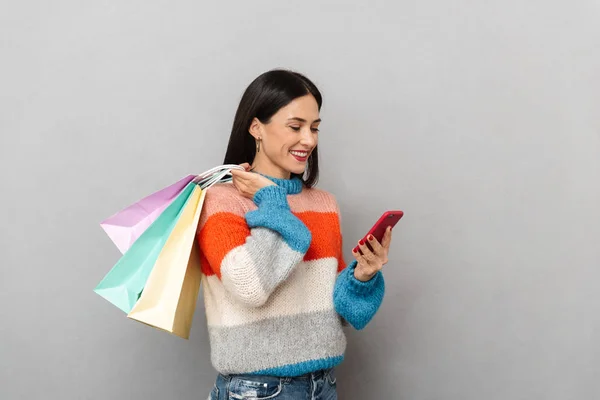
x: 355, y: 301
x: 253, y: 252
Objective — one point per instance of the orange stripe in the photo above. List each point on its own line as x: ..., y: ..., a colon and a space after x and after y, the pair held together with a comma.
x: 215, y: 241
x: 341, y: 261
x: 325, y: 230
x: 205, y: 265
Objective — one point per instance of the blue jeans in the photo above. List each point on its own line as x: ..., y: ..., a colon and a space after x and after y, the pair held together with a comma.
x: 319, y: 385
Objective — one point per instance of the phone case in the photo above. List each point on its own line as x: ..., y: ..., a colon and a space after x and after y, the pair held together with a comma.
x: 389, y: 218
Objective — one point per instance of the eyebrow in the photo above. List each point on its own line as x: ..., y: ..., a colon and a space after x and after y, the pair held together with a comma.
x: 302, y: 119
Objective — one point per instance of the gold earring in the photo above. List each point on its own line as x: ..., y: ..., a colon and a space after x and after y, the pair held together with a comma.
x: 258, y: 145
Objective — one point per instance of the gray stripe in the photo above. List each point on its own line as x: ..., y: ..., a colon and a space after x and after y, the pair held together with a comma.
x: 276, y: 342
x: 270, y: 257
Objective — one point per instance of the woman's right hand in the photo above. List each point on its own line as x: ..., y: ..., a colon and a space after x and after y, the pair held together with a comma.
x: 248, y: 183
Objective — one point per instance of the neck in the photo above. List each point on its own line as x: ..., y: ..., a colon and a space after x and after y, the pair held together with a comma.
x: 267, y: 168
x: 281, y: 178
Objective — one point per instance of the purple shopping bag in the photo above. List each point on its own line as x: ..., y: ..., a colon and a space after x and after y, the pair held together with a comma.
x: 127, y: 225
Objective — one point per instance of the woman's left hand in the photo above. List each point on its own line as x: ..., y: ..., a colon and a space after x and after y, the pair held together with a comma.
x: 248, y: 183
x: 371, y: 262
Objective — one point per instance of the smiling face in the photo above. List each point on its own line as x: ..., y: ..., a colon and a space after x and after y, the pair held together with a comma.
x: 288, y: 139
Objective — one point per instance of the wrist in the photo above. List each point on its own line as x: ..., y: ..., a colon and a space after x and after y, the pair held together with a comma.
x: 361, y: 275
x: 271, y: 194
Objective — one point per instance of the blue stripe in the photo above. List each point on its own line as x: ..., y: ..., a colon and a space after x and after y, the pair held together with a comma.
x: 302, y: 368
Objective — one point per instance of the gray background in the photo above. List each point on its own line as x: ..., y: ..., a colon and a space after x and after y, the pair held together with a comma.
x: 479, y: 119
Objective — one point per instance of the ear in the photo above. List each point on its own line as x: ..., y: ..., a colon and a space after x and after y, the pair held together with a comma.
x: 256, y: 129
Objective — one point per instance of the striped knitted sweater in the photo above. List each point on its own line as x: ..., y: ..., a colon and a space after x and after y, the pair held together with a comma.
x: 276, y: 287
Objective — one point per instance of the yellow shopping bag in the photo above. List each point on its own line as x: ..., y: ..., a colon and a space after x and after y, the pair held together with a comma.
x: 168, y: 300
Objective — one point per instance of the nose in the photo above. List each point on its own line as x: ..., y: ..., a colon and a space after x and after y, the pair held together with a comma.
x: 308, y: 139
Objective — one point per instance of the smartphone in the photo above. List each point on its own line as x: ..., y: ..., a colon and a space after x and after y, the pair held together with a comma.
x: 389, y: 218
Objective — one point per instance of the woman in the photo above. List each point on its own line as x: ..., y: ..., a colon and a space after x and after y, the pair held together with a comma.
x: 276, y: 287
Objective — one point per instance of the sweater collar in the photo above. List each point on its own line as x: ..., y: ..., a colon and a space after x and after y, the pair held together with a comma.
x: 292, y: 186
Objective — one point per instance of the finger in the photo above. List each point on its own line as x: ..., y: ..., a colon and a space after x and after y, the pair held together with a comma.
x: 241, y: 175
x: 387, y: 238
x: 359, y: 257
x: 367, y: 253
x: 245, y: 165
x: 378, y: 249
x: 238, y: 172
x: 363, y: 264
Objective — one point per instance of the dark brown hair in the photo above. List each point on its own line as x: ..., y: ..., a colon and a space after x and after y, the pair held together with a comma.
x: 268, y: 93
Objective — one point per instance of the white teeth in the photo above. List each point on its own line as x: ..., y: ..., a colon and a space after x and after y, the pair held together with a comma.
x: 299, y: 153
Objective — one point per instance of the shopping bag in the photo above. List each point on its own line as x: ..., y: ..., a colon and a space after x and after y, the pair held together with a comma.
x: 124, y: 283
x: 127, y: 225
x: 169, y: 298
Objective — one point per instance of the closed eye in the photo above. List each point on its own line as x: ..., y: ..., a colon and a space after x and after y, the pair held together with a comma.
x: 297, y: 129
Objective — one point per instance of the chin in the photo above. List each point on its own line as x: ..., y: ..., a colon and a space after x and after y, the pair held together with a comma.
x: 298, y: 170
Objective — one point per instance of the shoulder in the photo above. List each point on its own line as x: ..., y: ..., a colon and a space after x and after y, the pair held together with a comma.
x: 314, y: 199
x: 221, y: 191
x: 224, y: 198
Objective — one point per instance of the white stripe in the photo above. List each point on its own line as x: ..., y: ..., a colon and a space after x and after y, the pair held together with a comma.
x: 308, y: 288
x: 242, y: 281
